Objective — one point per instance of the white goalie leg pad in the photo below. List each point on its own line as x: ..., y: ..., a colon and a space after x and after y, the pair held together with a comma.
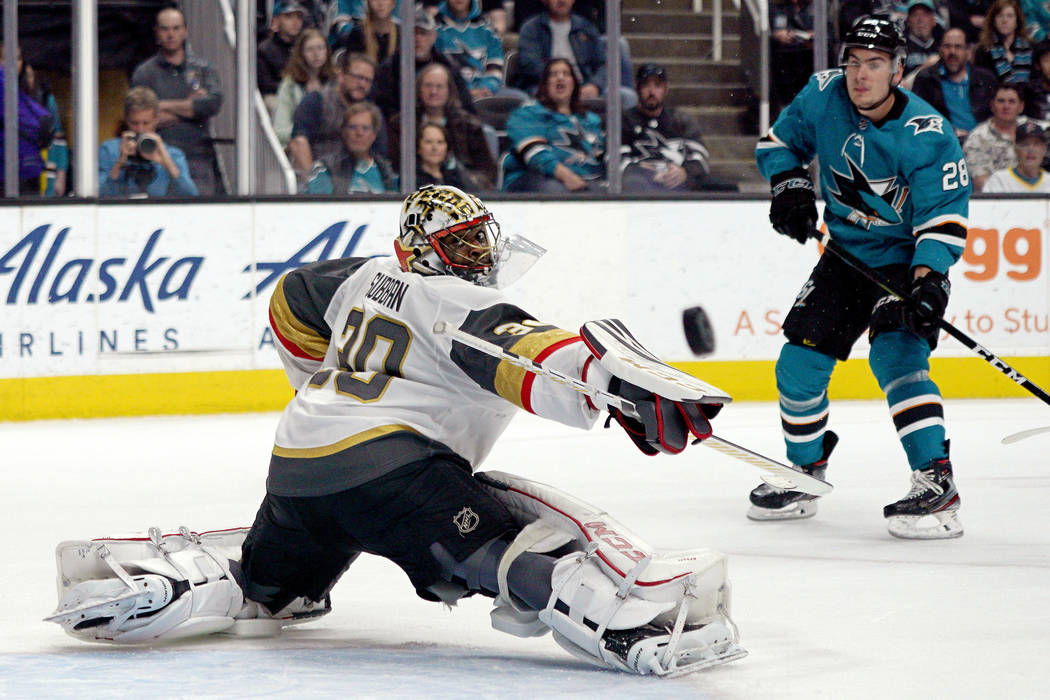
x: 142, y: 589
x: 619, y: 582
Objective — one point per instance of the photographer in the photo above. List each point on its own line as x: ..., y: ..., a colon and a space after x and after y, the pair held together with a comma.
x: 138, y: 162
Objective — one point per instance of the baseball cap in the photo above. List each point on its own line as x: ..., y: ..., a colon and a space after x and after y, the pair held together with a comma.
x: 928, y: 4
x: 425, y: 21
x: 283, y: 7
x: 1030, y: 129
x: 650, y: 70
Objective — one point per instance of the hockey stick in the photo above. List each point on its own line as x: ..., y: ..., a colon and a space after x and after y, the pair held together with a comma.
x: 781, y: 476
x: 885, y: 284
x: 984, y: 353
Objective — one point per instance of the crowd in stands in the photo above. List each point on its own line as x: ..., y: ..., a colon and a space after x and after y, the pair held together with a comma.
x: 513, y: 98
x: 983, y: 64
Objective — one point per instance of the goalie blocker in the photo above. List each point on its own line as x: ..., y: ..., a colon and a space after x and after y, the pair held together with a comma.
x: 612, y: 600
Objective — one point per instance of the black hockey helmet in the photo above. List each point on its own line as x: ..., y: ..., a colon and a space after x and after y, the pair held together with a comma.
x: 876, y: 34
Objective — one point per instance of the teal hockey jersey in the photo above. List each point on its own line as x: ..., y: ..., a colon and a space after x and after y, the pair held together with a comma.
x: 895, y: 192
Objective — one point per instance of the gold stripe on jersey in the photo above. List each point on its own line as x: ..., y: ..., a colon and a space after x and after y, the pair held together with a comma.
x: 291, y: 329
x: 509, y: 378
x: 345, y: 443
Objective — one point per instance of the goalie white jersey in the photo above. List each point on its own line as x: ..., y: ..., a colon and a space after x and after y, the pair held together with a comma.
x: 377, y: 389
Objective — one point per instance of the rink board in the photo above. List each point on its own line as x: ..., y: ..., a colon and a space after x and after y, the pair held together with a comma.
x: 154, y: 308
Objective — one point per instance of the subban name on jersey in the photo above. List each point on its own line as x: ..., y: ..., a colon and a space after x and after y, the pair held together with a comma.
x: 387, y: 291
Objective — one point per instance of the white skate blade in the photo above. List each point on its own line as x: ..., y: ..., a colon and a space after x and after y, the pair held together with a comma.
x: 798, y: 510
x: 711, y: 645
x: 918, y: 527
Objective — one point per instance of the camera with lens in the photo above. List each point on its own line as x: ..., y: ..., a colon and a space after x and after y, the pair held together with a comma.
x: 147, y: 144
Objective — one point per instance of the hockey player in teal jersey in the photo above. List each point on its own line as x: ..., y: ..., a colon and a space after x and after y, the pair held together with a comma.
x: 896, y: 193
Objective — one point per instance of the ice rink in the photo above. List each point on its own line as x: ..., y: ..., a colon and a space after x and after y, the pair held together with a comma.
x: 831, y: 607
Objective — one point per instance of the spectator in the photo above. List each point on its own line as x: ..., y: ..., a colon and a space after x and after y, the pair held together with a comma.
x: 354, y: 168
x: 591, y: 10
x: 968, y: 15
x: 55, y: 155
x: 272, y: 54
x: 558, y: 33
x: 1028, y: 175
x: 309, y: 69
x: 791, y: 49
x: 318, y: 120
x: 471, y: 45
x: 433, y: 165
x: 190, y: 95
x: 556, y: 146
x: 35, y: 132
x: 956, y: 88
x: 139, y: 163
x: 387, y: 92
x: 1003, y: 46
x: 1036, y: 15
x: 437, y: 104
x: 376, y: 34
x: 1038, y: 102
x: 852, y: 10
x: 923, y: 35
x: 990, y: 146
x: 315, y: 12
x: 662, y: 148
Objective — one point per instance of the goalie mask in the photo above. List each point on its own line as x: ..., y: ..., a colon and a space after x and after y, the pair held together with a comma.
x: 445, y: 231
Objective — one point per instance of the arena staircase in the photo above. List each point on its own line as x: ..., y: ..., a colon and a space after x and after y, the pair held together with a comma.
x: 716, y: 92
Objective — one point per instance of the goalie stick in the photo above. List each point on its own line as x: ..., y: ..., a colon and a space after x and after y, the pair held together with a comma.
x: 781, y: 476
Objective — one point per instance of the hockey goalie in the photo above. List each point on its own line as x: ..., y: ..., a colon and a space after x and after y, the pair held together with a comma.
x: 377, y: 453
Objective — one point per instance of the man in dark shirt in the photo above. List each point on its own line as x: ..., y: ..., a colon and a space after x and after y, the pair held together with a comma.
x: 190, y: 95
x: 318, y: 120
x: 956, y: 88
x: 662, y: 149
x: 272, y: 54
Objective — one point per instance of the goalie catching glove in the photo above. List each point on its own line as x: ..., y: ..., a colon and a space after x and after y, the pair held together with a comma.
x: 662, y: 425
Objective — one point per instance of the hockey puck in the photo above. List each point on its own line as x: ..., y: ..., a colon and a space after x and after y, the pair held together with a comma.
x: 698, y: 331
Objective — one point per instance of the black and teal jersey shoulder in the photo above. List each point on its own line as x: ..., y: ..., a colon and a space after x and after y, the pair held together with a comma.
x: 896, y: 191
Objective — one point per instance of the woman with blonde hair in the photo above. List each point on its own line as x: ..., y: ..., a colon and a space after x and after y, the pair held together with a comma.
x: 1003, y: 46
x: 309, y: 68
x: 375, y: 35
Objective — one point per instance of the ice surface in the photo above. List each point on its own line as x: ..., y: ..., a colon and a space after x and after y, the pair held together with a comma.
x: 829, y: 607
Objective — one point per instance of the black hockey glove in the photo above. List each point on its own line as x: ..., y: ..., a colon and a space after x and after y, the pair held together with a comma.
x: 929, y: 299
x: 793, y: 211
x: 665, y: 425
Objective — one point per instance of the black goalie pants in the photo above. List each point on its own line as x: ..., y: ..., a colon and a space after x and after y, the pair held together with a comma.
x: 300, y: 546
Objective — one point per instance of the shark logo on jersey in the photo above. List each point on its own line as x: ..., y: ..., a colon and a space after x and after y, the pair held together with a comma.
x: 854, y: 143
x: 580, y: 145
x: 870, y: 202
x: 925, y: 123
x: 652, y: 145
x: 825, y: 77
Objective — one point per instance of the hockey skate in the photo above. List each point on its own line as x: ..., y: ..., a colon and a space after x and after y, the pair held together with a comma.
x: 932, y: 493
x: 771, y: 503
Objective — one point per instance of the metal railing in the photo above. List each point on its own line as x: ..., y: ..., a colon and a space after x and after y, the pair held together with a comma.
x: 754, y: 51
x: 242, y: 115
